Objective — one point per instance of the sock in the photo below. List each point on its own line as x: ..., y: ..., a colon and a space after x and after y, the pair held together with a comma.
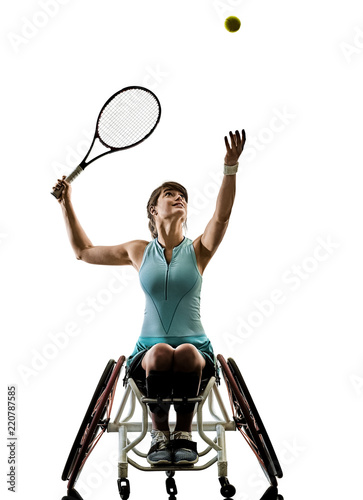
x: 185, y: 385
x: 159, y: 385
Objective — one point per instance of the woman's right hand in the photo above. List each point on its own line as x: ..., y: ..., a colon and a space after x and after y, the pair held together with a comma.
x: 66, y: 191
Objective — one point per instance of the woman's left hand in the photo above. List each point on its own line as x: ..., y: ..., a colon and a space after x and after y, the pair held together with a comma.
x: 234, y: 149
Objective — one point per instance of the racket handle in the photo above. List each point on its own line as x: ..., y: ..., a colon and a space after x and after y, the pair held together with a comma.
x: 57, y: 192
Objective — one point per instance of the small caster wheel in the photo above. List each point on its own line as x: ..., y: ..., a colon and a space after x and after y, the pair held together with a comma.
x: 227, y: 490
x: 124, y: 488
x: 171, y: 488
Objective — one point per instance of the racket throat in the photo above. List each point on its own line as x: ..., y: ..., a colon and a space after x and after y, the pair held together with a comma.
x: 96, y: 150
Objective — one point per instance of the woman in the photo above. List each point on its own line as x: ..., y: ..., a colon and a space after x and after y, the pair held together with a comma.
x: 173, y: 353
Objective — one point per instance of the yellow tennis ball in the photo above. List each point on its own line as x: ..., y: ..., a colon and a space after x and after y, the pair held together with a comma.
x: 232, y: 24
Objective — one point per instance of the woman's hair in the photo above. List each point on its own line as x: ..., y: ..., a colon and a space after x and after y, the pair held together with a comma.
x: 154, y: 199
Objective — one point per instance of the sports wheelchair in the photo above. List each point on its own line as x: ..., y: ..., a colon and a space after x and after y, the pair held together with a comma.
x: 245, y: 419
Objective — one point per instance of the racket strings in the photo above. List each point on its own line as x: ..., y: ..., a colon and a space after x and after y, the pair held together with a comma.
x: 128, y: 118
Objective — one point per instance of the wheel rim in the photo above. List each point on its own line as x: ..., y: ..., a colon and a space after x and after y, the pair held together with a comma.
x: 101, y: 386
x: 98, y: 425
x: 253, y: 410
x: 245, y: 423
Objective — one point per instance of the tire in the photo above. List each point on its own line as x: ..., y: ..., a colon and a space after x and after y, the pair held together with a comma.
x: 264, y: 436
x: 270, y: 494
x: 73, y: 495
x: 87, y: 419
x: 246, y: 423
x: 94, y: 423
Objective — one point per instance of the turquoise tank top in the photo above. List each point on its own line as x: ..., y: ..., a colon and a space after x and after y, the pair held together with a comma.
x: 172, y: 292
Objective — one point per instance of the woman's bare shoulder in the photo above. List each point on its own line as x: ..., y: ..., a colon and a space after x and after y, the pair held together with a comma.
x: 135, y: 250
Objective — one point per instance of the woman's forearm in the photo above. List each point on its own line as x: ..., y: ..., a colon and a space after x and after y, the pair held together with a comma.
x: 77, y: 236
x: 225, y: 198
x: 227, y: 190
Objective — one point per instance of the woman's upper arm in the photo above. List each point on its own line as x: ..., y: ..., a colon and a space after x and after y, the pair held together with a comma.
x: 129, y: 253
x: 207, y: 243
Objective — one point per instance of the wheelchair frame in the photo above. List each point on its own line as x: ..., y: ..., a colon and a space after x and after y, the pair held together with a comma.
x: 219, y: 426
x: 245, y: 418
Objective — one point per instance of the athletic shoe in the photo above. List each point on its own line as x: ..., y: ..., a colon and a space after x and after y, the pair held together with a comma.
x: 184, y: 449
x: 160, y: 452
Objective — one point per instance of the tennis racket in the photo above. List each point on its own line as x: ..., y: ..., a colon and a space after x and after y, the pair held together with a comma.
x: 126, y: 119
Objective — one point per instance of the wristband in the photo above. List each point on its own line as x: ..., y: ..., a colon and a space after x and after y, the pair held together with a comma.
x: 230, y: 169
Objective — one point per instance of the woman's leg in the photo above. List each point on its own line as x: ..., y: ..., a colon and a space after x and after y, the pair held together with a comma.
x: 157, y: 363
x: 188, y: 365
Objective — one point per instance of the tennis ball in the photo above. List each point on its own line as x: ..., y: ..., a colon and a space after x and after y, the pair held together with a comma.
x: 232, y: 24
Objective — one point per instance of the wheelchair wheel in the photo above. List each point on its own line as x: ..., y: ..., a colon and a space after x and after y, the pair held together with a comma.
x: 246, y: 423
x: 94, y: 423
x: 243, y: 388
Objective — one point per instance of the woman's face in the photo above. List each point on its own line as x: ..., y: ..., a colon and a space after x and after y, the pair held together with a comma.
x: 171, y: 203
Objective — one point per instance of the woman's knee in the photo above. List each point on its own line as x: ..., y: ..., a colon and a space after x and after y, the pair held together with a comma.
x: 159, y: 357
x: 187, y: 358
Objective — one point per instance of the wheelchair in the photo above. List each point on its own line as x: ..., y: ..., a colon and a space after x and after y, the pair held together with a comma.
x: 245, y: 419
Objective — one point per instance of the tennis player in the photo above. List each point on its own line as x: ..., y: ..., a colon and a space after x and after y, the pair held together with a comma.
x: 173, y: 355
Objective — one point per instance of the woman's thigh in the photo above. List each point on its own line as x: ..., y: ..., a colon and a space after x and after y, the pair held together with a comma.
x: 138, y: 372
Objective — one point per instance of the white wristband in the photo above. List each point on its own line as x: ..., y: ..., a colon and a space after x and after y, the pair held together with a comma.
x: 230, y: 169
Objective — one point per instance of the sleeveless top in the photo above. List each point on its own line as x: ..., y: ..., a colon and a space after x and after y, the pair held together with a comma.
x: 172, y: 292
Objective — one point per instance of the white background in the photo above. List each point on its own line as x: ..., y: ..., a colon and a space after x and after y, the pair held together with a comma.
x: 299, y: 184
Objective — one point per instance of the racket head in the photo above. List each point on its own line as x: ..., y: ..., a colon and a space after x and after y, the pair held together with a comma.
x: 128, y: 117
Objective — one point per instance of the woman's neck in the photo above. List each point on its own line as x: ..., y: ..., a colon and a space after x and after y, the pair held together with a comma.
x: 170, y: 236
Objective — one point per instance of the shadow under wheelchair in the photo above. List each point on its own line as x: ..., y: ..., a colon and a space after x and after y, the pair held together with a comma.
x: 245, y: 419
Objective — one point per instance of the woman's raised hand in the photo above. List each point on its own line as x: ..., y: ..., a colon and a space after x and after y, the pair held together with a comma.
x: 234, y: 149
x: 66, y: 191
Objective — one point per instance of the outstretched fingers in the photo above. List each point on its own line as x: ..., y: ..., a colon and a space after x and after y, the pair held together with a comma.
x: 236, y: 140
x: 233, y: 140
x: 240, y: 141
x: 234, y: 145
x: 227, y: 144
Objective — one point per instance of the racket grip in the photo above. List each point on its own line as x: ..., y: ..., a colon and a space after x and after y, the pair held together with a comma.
x: 76, y: 172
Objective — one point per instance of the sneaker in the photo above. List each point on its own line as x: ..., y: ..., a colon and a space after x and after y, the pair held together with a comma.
x: 160, y: 451
x: 184, y: 449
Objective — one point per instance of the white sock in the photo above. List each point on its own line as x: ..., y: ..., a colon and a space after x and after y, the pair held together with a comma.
x: 157, y: 435
x: 182, y: 435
